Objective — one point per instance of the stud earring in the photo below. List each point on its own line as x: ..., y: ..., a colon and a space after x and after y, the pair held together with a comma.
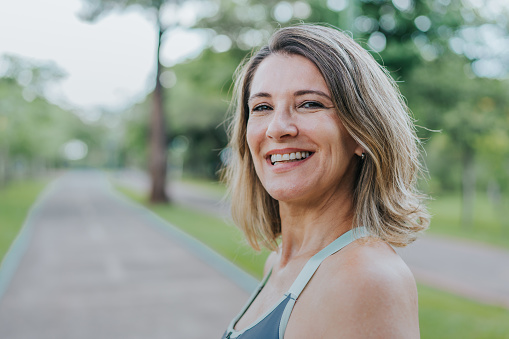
x: 363, y: 156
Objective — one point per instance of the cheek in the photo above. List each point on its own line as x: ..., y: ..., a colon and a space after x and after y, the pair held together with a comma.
x: 254, y: 136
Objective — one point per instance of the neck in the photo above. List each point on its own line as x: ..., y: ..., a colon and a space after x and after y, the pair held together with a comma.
x: 307, y: 228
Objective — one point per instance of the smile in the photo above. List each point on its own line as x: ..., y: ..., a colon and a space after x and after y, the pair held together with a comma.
x: 288, y: 157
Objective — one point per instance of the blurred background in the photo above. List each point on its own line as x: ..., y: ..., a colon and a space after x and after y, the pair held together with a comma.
x: 143, y: 87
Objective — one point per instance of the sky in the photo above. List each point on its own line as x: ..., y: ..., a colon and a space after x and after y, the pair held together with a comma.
x: 109, y: 64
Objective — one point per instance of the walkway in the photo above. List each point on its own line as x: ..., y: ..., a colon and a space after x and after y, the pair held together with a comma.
x: 466, y: 268
x: 89, y: 264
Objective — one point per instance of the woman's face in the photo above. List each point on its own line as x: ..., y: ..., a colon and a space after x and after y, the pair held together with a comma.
x: 300, y: 149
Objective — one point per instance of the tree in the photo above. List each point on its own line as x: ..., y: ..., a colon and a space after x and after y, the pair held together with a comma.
x: 469, y: 111
x: 158, y: 135
x: 23, y: 112
x: 415, y: 41
x: 33, y: 131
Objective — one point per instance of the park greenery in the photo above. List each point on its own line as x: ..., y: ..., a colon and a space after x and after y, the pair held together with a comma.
x: 446, y: 55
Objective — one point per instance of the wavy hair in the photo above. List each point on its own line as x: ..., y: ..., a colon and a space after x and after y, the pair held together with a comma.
x: 370, y: 106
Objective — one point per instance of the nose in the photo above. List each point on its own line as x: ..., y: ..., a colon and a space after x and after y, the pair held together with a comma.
x: 282, y: 125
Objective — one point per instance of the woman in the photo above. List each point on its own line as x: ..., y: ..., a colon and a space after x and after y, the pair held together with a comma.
x: 325, y: 161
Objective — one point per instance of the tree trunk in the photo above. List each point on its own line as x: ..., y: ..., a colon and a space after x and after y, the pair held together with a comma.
x: 468, y: 189
x: 158, y: 136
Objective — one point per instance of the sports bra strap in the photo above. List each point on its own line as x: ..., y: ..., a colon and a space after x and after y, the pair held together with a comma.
x: 312, y: 265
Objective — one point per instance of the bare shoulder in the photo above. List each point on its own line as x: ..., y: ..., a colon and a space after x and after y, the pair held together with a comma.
x: 373, y: 264
x: 369, y: 292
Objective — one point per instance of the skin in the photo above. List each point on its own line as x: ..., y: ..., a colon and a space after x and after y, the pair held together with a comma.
x: 363, y: 291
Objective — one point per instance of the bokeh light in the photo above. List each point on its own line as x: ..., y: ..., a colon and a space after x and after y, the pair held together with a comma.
x: 75, y: 150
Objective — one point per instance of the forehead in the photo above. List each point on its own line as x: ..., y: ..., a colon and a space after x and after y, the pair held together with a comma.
x: 280, y: 73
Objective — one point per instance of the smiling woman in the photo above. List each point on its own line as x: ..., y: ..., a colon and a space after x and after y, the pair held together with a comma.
x: 324, y: 154
x: 291, y: 112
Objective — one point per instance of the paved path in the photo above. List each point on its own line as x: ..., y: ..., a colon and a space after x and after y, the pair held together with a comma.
x: 89, y: 264
x: 466, y: 268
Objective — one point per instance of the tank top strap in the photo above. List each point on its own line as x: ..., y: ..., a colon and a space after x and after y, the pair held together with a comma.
x: 312, y: 265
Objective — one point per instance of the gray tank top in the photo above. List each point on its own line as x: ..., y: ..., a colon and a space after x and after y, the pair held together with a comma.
x: 272, y: 324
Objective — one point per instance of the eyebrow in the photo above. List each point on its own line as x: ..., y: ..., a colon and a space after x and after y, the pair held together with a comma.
x: 298, y: 93
x: 259, y: 95
x: 310, y: 91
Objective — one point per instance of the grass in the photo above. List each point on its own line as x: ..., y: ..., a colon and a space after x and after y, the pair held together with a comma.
x: 441, y: 315
x: 446, y: 316
x: 15, y: 201
x: 488, y: 225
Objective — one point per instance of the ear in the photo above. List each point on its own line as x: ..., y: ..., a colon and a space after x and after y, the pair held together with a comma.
x: 359, y: 150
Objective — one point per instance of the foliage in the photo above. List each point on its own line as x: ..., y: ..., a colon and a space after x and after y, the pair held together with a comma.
x: 421, y: 51
x: 34, y: 131
x: 471, y: 114
x: 432, y: 48
x: 133, y: 142
x: 196, y: 109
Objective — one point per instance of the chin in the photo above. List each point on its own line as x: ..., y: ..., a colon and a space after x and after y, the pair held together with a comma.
x: 287, y: 193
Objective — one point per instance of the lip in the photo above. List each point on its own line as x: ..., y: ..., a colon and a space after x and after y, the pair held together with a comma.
x: 286, y: 150
x: 284, y: 167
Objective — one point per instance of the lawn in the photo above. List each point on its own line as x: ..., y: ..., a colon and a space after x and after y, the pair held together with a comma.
x: 15, y: 201
x: 489, y: 225
x: 442, y: 315
x: 446, y: 316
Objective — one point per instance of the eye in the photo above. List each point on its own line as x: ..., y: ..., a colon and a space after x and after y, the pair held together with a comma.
x: 311, y: 105
x: 261, y: 108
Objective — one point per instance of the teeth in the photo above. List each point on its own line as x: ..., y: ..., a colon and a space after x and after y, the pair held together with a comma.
x: 288, y: 156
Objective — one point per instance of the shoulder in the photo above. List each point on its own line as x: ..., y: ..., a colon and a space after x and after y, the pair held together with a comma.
x: 373, y: 268
x: 368, y: 291
x: 371, y: 262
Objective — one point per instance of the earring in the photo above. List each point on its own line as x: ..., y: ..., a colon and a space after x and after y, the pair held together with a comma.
x: 363, y: 156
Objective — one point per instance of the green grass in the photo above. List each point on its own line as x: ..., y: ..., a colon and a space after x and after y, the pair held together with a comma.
x: 488, y: 226
x: 446, y: 316
x: 15, y: 201
x: 442, y: 315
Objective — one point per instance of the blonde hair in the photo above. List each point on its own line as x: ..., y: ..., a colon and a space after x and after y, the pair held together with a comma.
x: 370, y: 106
